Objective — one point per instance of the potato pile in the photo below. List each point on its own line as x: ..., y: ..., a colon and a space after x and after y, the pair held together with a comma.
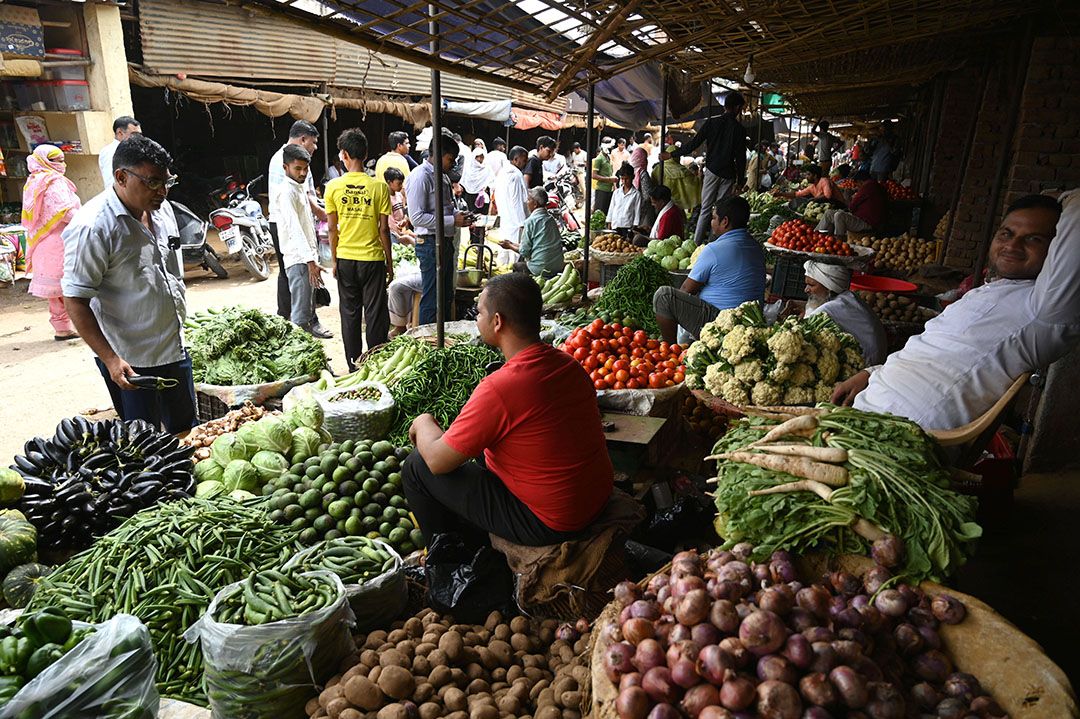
x: 703, y: 419
x: 904, y: 253
x: 427, y: 668
x: 891, y: 307
x: 942, y: 226
x: 203, y: 436
x: 613, y: 242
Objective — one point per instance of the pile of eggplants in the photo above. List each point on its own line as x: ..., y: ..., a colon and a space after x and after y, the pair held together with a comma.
x: 90, y: 476
x: 721, y: 637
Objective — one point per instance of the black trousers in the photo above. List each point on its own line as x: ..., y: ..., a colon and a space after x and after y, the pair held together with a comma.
x: 472, y: 502
x: 362, y: 298
x: 284, y: 299
x: 173, y: 409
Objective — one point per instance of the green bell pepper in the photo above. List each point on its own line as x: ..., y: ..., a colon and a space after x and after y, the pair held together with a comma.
x: 77, y: 636
x: 9, y: 687
x: 48, y: 626
x: 14, y: 654
x: 43, y: 658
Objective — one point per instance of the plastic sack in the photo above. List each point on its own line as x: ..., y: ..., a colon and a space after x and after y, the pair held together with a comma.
x: 108, y: 675
x: 639, y: 402
x: 357, y: 418
x: 466, y: 581
x: 258, y: 394
x: 378, y: 601
x: 271, y: 670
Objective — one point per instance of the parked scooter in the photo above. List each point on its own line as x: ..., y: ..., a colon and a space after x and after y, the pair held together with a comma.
x: 560, y: 187
x: 242, y: 226
x: 192, y: 243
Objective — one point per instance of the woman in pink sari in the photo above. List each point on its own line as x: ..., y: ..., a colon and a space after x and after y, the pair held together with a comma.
x: 49, y: 203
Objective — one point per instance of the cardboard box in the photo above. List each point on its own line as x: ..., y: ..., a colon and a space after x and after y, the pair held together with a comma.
x: 21, y: 33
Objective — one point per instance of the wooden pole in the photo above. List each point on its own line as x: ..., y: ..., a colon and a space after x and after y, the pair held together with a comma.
x: 965, y: 157
x: 435, y: 155
x: 663, y: 118
x: 590, y: 148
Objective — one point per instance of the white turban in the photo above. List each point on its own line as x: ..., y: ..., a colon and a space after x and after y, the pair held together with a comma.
x: 836, y: 277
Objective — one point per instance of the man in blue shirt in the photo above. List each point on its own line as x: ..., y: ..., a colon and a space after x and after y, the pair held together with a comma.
x: 729, y: 271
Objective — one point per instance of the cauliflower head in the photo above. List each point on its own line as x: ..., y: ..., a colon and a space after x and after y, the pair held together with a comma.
x: 714, y: 379
x: 828, y: 367
x: 799, y: 395
x: 823, y: 392
x: 810, y: 353
x: 734, y: 391
x: 750, y: 371
x: 852, y: 357
x: 786, y: 345
x: 712, y: 336
x: 725, y: 321
x: 781, y: 372
x: 802, y: 375
x: 737, y: 344
x: 694, y: 381
x: 827, y: 342
x: 766, y: 393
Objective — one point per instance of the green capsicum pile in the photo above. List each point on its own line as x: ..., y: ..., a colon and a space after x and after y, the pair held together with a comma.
x: 36, y: 641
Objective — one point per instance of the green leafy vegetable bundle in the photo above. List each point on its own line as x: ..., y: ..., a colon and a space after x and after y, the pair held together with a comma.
x: 627, y: 299
x: 836, y: 480
x: 236, y: 346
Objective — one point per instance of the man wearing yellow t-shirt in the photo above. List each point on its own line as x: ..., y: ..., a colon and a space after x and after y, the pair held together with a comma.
x: 396, y: 157
x: 358, y: 210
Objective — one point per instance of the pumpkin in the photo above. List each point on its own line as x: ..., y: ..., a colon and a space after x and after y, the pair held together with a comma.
x: 12, y: 486
x: 18, y: 542
x: 21, y: 583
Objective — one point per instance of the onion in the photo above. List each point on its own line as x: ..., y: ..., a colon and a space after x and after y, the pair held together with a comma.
x: 737, y: 693
x: 837, y: 604
x: 626, y: 593
x: 850, y: 686
x: 818, y: 634
x: 648, y: 655
x: 685, y: 649
x: 845, y: 583
x: 922, y: 617
x: 713, y: 664
x: 678, y: 633
x: 798, y: 651
x: 816, y: 713
x: 913, y: 596
x: 699, y: 697
x: 825, y: 657
x: 867, y: 669
x: 664, y: 595
x: 633, y: 679
x: 693, y: 607
x: 986, y: 707
x: 777, y: 700
x: 932, y: 665
x: 930, y: 637
x: 664, y: 711
x: 800, y: 620
x: 725, y: 589
x: 644, y: 609
x: 734, y: 648
x: 618, y: 660
x: 886, y: 702
x: 704, y: 633
x: 782, y: 571
x: 743, y: 550
x: 952, y: 708
x: 636, y: 629
x: 684, y: 673
x: 776, y: 667
x: 909, y: 641
x: 891, y: 603
x: 762, y: 632
x: 816, y: 689
x: 888, y: 551
x: 859, y: 637
x: 744, y: 610
x: 948, y: 609
x: 658, y: 684
x: 663, y: 630
x: 762, y: 577
x: 687, y: 557
x: 632, y: 703
x: 924, y: 696
x: 735, y: 571
x: 718, y: 559
x: 684, y: 585
x: 657, y: 581
x: 776, y: 600
x: 963, y: 686
x: 566, y: 633
x: 814, y: 599
x: 612, y: 632
x: 715, y: 712
x: 875, y: 578
x: 849, y: 617
x: 847, y: 650
x: 872, y: 620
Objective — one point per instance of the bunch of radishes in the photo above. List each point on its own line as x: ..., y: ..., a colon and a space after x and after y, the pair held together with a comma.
x: 721, y: 637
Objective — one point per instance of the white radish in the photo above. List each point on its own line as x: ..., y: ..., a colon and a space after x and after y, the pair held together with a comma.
x: 830, y: 474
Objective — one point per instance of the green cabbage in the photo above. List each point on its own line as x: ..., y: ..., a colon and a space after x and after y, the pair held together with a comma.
x: 249, y: 434
x: 308, y: 413
x: 240, y: 474
x: 228, y: 447
x: 290, y: 421
x: 239, y: 495
x: 305, y: 443
x: 209, y: 489
x: 269, y: 465
x: 272, y: 434
x: 208, y: 471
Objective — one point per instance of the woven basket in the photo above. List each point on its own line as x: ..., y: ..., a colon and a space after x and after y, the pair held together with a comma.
x: 613, y: 258
x: 1008, y: 664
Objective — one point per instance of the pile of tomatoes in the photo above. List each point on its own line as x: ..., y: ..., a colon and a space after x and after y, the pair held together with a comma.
x: 618, y: 357
x: 801, y: 236
x: 896, y: 191
x: 847, y: 184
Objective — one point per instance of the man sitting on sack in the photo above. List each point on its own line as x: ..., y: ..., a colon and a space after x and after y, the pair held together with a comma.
x: 545, y: 476
x: 828, y: 290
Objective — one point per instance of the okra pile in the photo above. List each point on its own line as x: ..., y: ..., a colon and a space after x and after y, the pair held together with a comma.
x: 355, y: 560
x: 272, y: 596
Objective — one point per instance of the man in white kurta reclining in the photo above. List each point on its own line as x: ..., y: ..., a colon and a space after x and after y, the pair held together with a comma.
x: 1025, y: 318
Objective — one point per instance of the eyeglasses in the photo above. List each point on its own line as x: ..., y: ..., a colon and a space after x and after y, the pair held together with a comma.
x: 154, y: 184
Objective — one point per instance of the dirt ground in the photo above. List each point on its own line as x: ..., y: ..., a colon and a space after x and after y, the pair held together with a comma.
x: 42, y: 380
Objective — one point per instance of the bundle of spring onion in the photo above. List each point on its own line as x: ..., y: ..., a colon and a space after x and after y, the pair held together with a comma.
x: 837, y: 479
x: 386, y: 364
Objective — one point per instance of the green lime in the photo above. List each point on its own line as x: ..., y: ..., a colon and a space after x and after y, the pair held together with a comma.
x: 338, y: 509
x: 308, y: 536
x: 310, y: 498
x: 348, y: 445
x: 353, y: 526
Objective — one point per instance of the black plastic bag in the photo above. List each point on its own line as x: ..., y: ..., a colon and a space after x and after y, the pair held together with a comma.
x: 690, y: 516
x: 468, y: 581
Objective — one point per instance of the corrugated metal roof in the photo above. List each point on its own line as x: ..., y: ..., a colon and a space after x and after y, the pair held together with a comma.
x: 214, y: 40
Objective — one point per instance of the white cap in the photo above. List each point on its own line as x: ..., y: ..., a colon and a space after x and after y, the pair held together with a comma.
x: 836, y: 277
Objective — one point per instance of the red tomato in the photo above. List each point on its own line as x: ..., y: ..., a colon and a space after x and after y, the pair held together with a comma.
x: 619, y: 385
x: 622, y: 364
x: 669, y: 383
x: 656, y: 381
x: 615, y: 327
x: 675, y: 349
x: 641, y: 337
x: 602, y: 371
x: 633, y: 384
x: 637, y: 352
x: 598, y: 346
x: 599, y: 384
x: 624, y: 341
x: 580, y: 354
x: 609, y: 363
x: 613, y: 343
x: 609, y: 379
x: 679, y: 377
x: 590, y: 363
x: 621, y: 375
x: 596, y: 325
x: 652, y: 344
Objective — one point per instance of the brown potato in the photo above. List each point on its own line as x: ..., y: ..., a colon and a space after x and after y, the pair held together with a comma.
x: 421, y: 666
x: 452, y: 644
x: 334, y: 708
x: 455, y: 700
x: 351, y: 713
x: 438, y: 658
x: 534, y: 674
x: 563, y: 684
x: 457, y: 715
x: 520, y: 642
x: 502, y: 632
x: 509, y: 704
x: 393, y: 711
x: 373, y: 675
x: 440, y: 676
x: 513, y: 673
x: 545, y: 711
x: 392, y: 657
x: 474, y: 671
x: 498, y: 675
x: 362, y: 692
x: 457, y: 675
x: 581, y: 674
x: 423, y: 693
x: 501, y: 649
x: 407, y: 647
x: 396, y: 682
x: 493, y: 620
x: 487, y: 658
x: 520, y: 625
x: 424, y: 648
x: 312, y: 706
x: 329, y: 694
x: 478, y: 687
x: 414, y: 628
x: 571, y: 714
x: 570, y: 700
x: 540, y: 686
x: 484, y: 711
x: 369, y: 658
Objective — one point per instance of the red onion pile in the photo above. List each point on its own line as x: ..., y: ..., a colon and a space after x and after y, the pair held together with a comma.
x: 721, y: 637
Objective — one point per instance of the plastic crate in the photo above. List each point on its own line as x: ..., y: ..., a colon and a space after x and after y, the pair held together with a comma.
x: 208, y: 407
x: 789, y: 278
x: 608, y: 272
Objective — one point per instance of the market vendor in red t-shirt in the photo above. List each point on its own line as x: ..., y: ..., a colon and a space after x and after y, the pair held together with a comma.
x: 546, y: 474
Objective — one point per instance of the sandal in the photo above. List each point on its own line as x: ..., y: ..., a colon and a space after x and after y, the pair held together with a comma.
x: 65, y: 338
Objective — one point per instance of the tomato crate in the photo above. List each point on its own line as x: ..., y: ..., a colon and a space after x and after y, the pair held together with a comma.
x: 789, y: 278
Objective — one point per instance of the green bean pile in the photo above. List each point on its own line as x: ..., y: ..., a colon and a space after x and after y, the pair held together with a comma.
x: 354, y: 560
x: 271, y: 596
x: 164, y: 565
x: 367, y: 394
x: 439, y: 384
x: 627, y: 299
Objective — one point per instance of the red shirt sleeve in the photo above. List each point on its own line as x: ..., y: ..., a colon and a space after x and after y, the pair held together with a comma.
x: 482, y: 422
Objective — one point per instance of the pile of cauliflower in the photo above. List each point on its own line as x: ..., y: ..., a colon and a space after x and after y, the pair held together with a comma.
x: 744, y: 360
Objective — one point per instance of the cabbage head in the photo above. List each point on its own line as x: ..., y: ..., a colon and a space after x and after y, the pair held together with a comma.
x: 208, y: 470
x: 240, y: 474
x: 269, y: 465
x: 209, y: 489
x: 308, y: 413
x: 305, y: 443
x: 272, y: 434
x: 239, y: 495
x: 249, y: 434
x: 229, y: 447
x: 290, y: 420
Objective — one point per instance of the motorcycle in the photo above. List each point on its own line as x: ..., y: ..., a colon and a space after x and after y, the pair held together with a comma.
x: 242, y: 227
x: 191, y: 241
x: 559, y: 187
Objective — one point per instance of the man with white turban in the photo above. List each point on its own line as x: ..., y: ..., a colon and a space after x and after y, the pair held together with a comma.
x: 828, y: 290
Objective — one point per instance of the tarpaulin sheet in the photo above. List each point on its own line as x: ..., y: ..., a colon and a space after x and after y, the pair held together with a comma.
x: 633, y: 98
x: 528, y: 119
x: 497, y: 110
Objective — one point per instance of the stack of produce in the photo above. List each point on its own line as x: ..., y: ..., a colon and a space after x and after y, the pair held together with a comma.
x: 561, y: 289
x: 597, y: 220
x: 348, y: 489
x: 721, y: 636
x: 164, y: 566
x: 354, y: 559
x: 801, y: 236
x: 403, y: 255
x: 942, y: 226
x: 237, y: 346
x: 743, y: 360
x: 613, y: 242
x: 387, y: 364
x: 618, y: 357
x: 897, y: 191
x: 204, y: 435
x: 814, y: 211
x: 847, y: 184
x: 89, y: 477
x: 22, y: 581
x: 891, y: 307
x: 627, y: 299
x: 672, y: 254
x: 440, y: 384
x: 762, y: 202
x: 35, y: 642
x: 428, y: 667
x: 903, y: 254
x: 763, y: 225
x: 571, y: 240
x: 835, y: 480
x: 703, y: 419
x: 241, y: 463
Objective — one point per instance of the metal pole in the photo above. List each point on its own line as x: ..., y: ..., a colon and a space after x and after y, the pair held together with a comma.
x: 589, y: 116
x: 325, y: 141
x: 663, y: 121
x: 435, y: 155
